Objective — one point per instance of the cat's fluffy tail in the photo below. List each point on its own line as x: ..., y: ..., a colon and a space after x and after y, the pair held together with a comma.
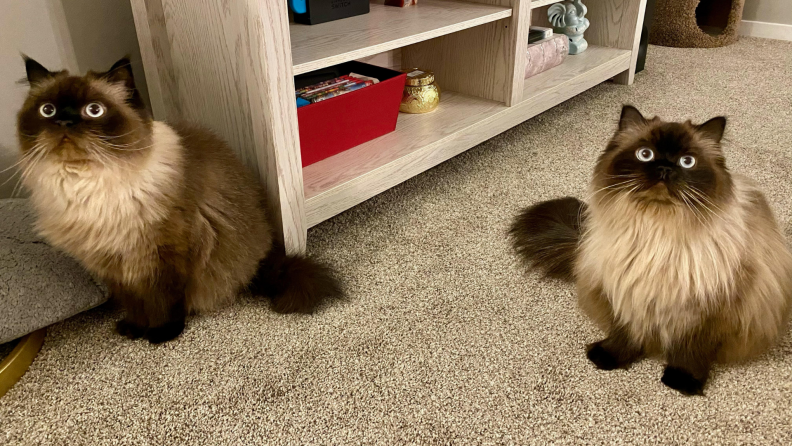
x: 295, y: 283
x: 546, y: 236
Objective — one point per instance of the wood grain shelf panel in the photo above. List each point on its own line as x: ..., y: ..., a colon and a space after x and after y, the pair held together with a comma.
x: 539, y: 3
x: 421, y: 142
x: 384, y: 28
x: 580, y: 68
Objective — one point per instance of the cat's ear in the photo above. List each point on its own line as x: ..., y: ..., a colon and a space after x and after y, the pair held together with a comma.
x: 120, y: 73
x: 630, y: 117
x: 35, y: 71
x: 713, y: 129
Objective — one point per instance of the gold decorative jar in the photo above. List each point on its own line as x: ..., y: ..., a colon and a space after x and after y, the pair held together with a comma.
x: 421, y: 93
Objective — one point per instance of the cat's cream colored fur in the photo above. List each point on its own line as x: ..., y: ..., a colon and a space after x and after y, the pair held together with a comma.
x: 109, y: 208
x: 124, y: 210
x: 661, y: 270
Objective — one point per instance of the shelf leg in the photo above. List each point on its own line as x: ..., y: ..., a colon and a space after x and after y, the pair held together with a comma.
x: 617, y: 24
x: 632, y: 34
x: 228, y: 66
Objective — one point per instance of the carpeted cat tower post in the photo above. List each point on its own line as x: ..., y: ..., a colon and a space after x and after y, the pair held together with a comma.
x: 696, y: 23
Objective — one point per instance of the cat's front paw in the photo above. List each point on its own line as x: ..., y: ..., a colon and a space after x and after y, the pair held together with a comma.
x: 682, y: 381
x: 129, y: 329
x: 164, y: 333
x: 601, y: 357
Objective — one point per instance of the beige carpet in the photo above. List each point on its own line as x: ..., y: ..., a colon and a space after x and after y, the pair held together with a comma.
x: 443, y: 340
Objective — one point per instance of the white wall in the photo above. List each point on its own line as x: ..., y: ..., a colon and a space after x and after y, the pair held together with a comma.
x: 771, y: 11
x: 103, y: 31
x: 771, y: 19
x: 25, y: 26
x: 74, y: 34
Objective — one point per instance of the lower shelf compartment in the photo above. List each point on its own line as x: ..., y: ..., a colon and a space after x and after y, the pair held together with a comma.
x: 421, y: 142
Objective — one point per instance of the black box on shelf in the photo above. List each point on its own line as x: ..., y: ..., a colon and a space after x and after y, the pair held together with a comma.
x: 320, y: 11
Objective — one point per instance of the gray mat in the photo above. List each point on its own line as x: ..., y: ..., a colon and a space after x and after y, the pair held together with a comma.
x: 443, y: 340
x: 38, y: 285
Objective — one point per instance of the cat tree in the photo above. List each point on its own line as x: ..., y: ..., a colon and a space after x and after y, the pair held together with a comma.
x: 696, y: 23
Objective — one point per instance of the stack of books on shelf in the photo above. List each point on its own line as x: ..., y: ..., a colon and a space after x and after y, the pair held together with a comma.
x: 332, y: 88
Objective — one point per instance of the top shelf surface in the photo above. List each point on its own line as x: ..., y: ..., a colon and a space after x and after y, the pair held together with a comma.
x: 540, y: 3
x: 383, y: 29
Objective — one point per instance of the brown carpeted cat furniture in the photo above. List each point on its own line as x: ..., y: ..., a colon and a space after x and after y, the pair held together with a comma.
x: 696, y: 23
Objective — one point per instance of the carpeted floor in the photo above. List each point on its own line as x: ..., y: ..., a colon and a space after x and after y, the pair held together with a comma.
x: 444, y: 340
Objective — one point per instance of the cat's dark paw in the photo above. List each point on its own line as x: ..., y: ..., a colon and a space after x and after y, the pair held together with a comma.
x: 164, y: 333
x: 682, y: 381
x: 601, y: 357
x: 129, y: 329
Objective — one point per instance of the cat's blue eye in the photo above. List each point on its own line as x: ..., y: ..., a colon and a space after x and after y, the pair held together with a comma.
x: 47, y: 110
x: 644, y: 154
x: 94, y: 110
x: 687, y: 161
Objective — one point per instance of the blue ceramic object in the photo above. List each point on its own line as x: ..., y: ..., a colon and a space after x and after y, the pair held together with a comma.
x: 569, y: 18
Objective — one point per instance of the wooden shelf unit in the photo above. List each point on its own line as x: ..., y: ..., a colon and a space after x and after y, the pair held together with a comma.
x: 228, y: 65
x: 384, y: 28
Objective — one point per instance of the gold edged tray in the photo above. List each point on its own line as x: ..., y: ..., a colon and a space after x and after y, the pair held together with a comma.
x: 17, y: 362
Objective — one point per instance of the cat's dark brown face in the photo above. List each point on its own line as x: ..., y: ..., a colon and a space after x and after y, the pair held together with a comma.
x: 91, y: 120
x: 661, y: 162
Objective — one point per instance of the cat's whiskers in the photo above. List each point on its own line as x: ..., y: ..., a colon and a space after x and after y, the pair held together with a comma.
x: 612, y: 189
x: 627, y: 193
x: 137, y: 149
x: 41, y: 153
x: 123, y: 147
x: 23, y: 158
x: 106, y: 158
x: 100, y: 139
x: 707, y: 208
x: 611, y: 192
x: 701, y: 195
x: 626, y: 175
x: 106, y: 137
x: 691, y: 202
x: 118, y: 146
x: 19, y: 168
x: 610, y: 186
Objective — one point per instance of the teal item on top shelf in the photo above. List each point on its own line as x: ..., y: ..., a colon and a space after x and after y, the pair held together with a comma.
x: 298, y: 6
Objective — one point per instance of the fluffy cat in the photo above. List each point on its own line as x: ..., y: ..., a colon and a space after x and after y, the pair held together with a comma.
x: 673, y: 255
x: 165, y: 214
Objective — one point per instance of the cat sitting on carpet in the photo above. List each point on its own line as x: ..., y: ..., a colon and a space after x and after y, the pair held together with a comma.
x: 165, y: 214
x: 673, y: 256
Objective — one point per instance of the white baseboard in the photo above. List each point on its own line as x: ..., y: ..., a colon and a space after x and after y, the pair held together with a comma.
x: 766, y: 30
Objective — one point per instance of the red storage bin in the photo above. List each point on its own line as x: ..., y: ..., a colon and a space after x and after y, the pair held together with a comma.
x: 340, y: 123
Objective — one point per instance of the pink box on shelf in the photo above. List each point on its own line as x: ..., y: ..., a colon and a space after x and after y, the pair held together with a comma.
x: 546, y: 54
